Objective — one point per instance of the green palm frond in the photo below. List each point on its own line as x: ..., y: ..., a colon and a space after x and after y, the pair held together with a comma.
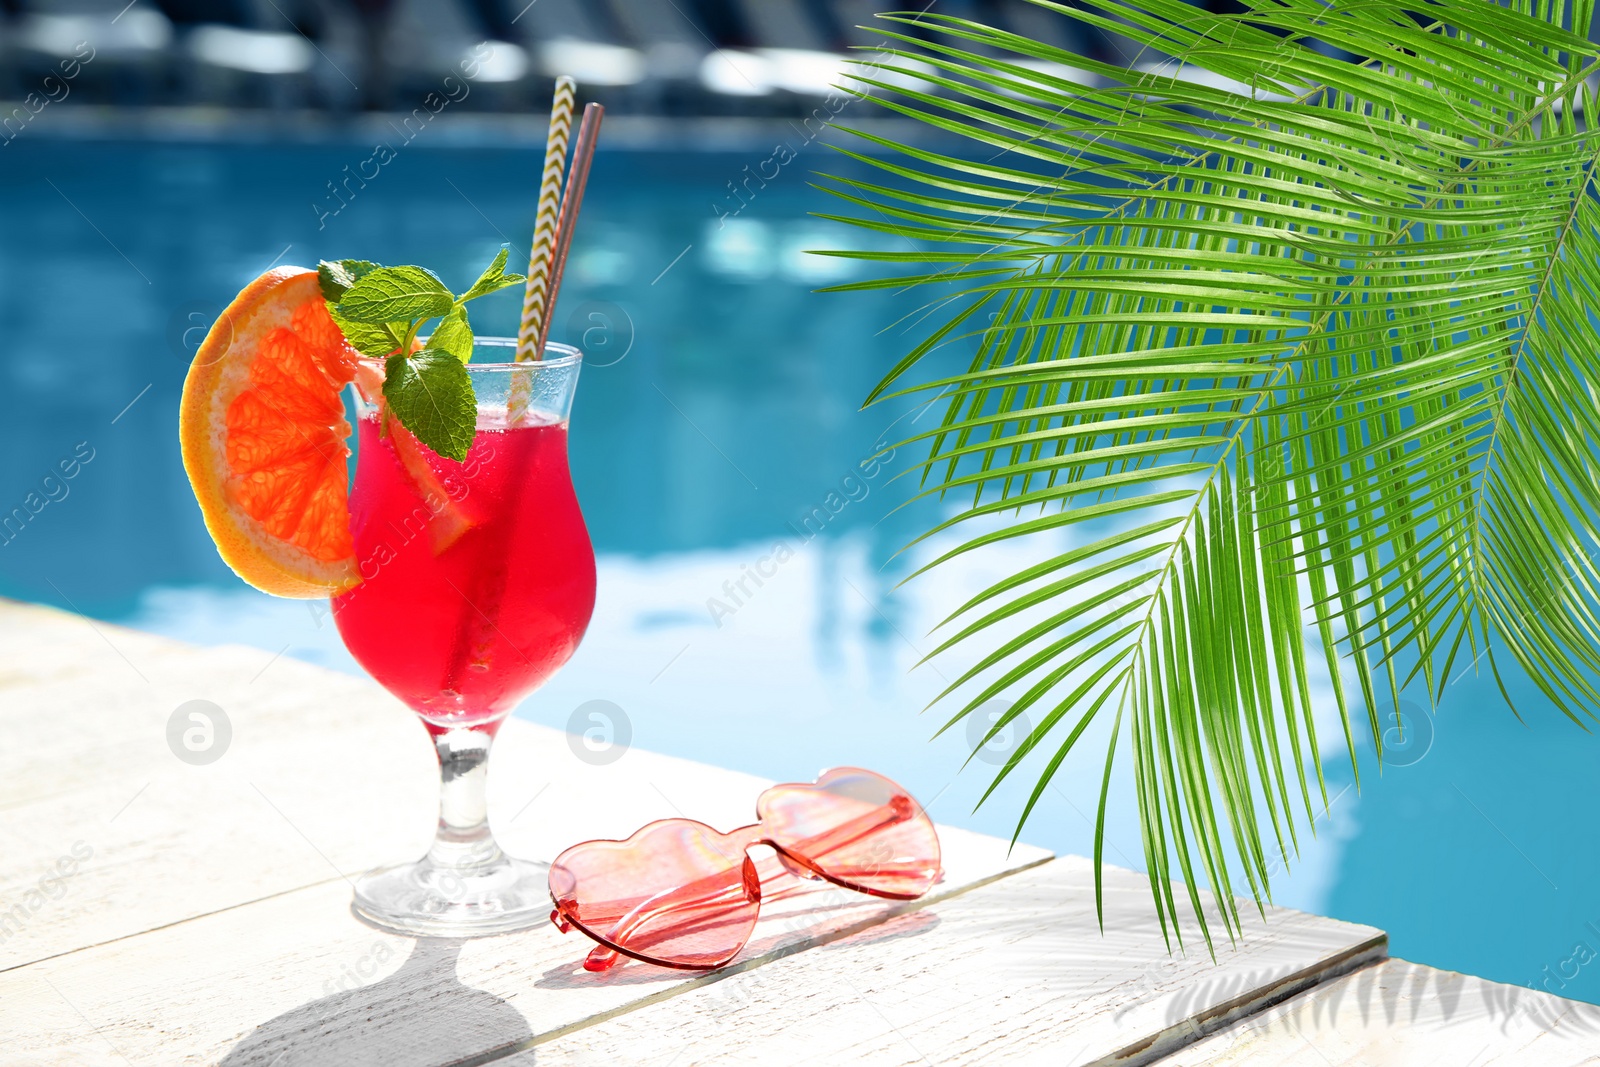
x: 1287, y: 329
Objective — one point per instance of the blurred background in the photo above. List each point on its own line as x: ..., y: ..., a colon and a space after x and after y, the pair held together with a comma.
x: 638, y: 57
x: 156, y: 156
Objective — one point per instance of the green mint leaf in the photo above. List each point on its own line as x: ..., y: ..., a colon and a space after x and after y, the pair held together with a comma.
x: 364, y: 337
x: 499, y: 283
x: 453, y: 334
x: 492, y: 279
x: 495, y: 270
x: 431, y: 394
x: 396, y: 294
x: 335, y: 276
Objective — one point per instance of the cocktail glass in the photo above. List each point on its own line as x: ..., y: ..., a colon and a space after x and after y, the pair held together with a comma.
x: 477, y: 584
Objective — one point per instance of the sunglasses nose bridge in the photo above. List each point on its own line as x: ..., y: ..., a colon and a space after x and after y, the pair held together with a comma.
x: 747, y: 838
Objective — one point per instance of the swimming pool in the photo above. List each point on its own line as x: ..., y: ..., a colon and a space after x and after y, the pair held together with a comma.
x: 746, y: 616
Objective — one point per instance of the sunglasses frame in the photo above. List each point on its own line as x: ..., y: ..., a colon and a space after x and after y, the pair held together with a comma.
x: 751, y: 836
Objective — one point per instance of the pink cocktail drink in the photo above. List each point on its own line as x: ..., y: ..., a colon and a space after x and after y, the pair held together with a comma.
x: 477, y: 583
x: 477, y: 576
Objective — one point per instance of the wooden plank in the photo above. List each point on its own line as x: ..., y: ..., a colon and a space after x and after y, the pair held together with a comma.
x: 213, y: 899
x: 1014, y: 972
x: 1407, y: 1015
x: 297, y: 979
x: 314, y: 758
x: 107, y: 833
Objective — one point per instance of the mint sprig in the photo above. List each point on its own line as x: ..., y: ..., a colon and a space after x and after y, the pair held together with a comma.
x: 336, y: 276
x: 381, y: 310
x: 430, y: 392
x: 493, y: 279
x: 453, y: 334
x: 396, y: 294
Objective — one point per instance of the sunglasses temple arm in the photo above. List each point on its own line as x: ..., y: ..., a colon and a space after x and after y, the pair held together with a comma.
x: 850, y: 832
x: 601, y: 958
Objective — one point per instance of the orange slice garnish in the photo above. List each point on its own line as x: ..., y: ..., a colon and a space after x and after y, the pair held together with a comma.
x: 264, y: 437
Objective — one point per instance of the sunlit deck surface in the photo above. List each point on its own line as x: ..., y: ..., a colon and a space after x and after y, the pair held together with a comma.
x: 159, y: 912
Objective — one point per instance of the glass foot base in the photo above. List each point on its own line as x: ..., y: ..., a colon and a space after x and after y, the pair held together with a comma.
x: 431, y: 901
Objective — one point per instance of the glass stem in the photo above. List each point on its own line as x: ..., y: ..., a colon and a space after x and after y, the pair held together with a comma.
x: 463, y: 841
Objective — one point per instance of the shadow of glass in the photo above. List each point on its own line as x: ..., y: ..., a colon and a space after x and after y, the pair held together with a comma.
x: 418, y: 1015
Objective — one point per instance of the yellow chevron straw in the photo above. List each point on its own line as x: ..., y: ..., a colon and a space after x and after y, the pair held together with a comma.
x: 536, y: 293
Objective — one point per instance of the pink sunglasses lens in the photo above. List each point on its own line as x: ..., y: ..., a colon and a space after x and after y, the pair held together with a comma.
x: 858, y: 828
x: 675, y: 893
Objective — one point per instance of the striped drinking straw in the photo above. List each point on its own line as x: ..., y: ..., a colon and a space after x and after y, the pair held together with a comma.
x: 535, y: 296
x: 571, y: 204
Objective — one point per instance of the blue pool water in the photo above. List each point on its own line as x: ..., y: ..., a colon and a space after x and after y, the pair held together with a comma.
x: 719, y: 410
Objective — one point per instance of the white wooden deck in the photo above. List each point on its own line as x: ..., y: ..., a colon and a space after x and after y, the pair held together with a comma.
x: 154, y: 912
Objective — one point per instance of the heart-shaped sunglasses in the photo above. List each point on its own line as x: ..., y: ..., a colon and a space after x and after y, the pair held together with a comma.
x: 681, y: 894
